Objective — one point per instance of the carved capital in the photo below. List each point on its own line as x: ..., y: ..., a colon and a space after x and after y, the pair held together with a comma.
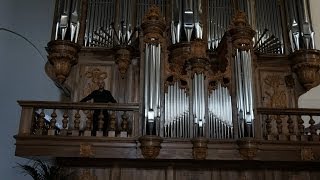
x: 306, y: 64
x: 150, y: 146
x: 248, y: 148
x: 200, y: 148
x: 62, y: 55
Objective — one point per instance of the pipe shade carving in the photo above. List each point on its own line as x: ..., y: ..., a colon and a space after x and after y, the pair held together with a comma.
x: 62, y: 55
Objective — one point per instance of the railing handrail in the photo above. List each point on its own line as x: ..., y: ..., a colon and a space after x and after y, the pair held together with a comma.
x: 80, y: 105
x: 289, y: 111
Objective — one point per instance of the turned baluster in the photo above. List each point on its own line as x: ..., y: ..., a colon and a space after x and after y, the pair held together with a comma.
x: 279, y: 128
x: 100, y: 122
x: 112, y: 125
x: 76, y: 123
x: 290, y: 125
x: 88, y: 124
x: 41, y: 123
x: 53, y: 122
x: 292, y: 136
x: 313, y: 130
x: 301, y: 128
x: 124, y: 125
x: 100, y: 129
x: 77, y: 120
x: 312, y: 126
x: 65, y: 116
x: 268, y: 127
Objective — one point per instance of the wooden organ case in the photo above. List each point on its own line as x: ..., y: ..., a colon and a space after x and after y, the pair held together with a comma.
x: 205, y: 89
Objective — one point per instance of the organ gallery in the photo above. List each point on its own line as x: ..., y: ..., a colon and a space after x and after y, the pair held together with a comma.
x: 203, y: 89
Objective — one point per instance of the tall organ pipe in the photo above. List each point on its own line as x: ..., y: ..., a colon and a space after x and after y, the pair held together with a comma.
x: 199, y: 103
x: 152, y: 84
x: 244, y: 91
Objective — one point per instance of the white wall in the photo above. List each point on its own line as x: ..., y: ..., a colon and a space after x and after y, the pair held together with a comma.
x: 22, y: 75
x: 311, y: 99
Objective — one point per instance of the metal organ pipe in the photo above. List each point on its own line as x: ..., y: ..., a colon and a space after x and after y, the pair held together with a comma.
x: 244, y: 94
x: 220, y: 113
x: 152, y: 84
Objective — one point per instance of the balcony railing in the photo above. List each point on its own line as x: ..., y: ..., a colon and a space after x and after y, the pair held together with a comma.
x: 76, y: 119
x: 290, y: 124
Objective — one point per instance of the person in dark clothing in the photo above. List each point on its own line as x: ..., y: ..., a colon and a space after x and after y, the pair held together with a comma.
x: 100, y: 96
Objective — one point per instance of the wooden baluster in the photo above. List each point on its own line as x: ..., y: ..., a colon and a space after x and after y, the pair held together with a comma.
x: 53, y: 121
x: 303, y: 137
x: 281, y: 136
x: 76, y: 125
x: 112, y: 125
x: 100, y: 124
x: 292, y: 136
x: 41, y: 124
x: 124, y: 125
x: 87, y: 132
x: 268, y: 128
x: 65, y: 116
x: 313, y: 131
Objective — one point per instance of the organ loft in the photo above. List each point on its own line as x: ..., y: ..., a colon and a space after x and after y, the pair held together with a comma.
x: 203, y: 89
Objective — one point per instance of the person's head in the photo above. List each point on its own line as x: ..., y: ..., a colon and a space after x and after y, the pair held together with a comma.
x: 101, y: 85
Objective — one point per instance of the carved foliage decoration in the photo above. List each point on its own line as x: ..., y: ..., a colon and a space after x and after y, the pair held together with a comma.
x: 275, y: 91
x: 93, y: 76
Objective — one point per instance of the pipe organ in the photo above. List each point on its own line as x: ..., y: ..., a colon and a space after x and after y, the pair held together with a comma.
x: 196, y: 58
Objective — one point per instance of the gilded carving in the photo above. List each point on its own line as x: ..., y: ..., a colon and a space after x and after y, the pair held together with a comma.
x: 86, y: 150
x: 150, y: 146
x: 94, y: 75
x: 248, y: 148
x: 86, y: 175
x: 307, y: 154
x: 153, y: 25
x: 275, y: 92
x: 306, y: 64
x: 241, y: 32
x: 123, y: 59
x: 62, y: 55
x: 200, y: 148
